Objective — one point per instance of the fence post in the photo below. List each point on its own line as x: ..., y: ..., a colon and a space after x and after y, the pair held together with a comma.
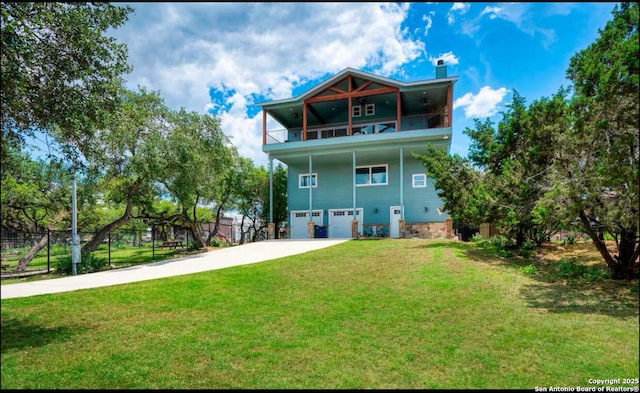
x: 153, y: 242
x: 109, y: 248
x: 48, y: 251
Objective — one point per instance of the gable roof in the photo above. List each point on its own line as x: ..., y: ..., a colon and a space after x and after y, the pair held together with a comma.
x: 357, y: 73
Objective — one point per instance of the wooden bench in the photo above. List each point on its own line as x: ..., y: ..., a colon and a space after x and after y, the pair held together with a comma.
x: 174, y: 244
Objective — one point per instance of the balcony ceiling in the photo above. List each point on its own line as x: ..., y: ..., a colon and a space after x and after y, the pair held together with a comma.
x: 416, y: 101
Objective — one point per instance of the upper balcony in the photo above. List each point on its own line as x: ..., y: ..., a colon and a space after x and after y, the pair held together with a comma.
x: 407, y: 123
x: 360, y: 107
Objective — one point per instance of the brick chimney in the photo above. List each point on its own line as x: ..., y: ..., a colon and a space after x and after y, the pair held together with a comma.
x: 441, y: 70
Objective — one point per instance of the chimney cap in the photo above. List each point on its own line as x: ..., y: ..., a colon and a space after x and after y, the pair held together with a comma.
x: 440, y: 62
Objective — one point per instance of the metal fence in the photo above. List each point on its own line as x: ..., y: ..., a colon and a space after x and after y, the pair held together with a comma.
x: 120, y: 248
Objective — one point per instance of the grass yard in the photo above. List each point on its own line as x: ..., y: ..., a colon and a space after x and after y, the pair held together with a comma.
x: 365, y: 314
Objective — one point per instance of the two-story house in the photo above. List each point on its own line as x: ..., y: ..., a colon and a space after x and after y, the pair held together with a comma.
x: 348, y: 145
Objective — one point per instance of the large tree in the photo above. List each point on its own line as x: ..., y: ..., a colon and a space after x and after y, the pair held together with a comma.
x: 127, y: 155
x: 597, y: 164
x: 194, y: 154
x: 59, y: 69
x: 503, y: 177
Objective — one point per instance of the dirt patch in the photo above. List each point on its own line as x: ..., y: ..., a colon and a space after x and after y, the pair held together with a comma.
x: 585, y: 252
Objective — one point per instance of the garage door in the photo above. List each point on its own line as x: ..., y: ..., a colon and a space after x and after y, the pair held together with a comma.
x: 299, y: 221
x: 340, y: 222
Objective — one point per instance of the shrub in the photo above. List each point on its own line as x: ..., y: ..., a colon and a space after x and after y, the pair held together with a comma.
x: 88, y: 264
x: 192, y: 246
x: 571, y: 239
x: 571, y: 269
x: 529, y: 269
x: 215, y: 242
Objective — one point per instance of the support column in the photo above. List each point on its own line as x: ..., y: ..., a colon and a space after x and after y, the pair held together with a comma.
x: 448, y: 228
x: 354, y: 229
x: 353, y: 169
x: 270, y: 189
x: 310, y: 189
x: 311, y: 229
x: 271, y: 231
x: 401, y: 184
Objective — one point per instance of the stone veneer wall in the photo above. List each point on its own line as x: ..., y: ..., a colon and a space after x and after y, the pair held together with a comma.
x: 426, y: 230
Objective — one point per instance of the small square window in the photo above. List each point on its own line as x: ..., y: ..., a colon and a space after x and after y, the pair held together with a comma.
x: 303, y: 180
x: 370, y: 109
x: 419, y: 180
x: 356, y: 111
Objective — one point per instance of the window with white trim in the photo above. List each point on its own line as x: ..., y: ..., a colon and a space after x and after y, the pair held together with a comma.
x: 373, y: 175
x: 370, y: 109
x: 303, y: 180
x: 356, y: 111
x: 419, y: 180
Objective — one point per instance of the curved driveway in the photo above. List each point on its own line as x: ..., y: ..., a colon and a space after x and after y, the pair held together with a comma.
x: 212, y: 260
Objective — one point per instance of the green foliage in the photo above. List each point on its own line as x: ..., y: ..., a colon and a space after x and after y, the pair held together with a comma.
x: 560, y: 160
x: 596, y: 166
x: 34, y: 193
x: 529, y: 269
x: 60, y: 71
x: 88, y: 264
x: 569, y: 268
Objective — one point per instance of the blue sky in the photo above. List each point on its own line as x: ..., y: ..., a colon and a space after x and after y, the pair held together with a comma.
x: 222, y: 58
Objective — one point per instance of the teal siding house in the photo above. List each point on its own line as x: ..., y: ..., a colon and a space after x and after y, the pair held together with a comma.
x: 348, y: 145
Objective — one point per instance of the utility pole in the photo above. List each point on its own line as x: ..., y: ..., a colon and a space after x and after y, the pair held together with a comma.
x: 75, y: 244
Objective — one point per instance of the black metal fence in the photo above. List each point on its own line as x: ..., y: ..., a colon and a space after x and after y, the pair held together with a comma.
x: 120, y: 248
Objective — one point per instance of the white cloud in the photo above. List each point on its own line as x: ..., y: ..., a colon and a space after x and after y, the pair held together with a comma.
x: 428, y: 19
x: 483, y: 104
x: 449, y: 58
x: 240, y: 51
x: 457, y: 8
x: 519, y: 14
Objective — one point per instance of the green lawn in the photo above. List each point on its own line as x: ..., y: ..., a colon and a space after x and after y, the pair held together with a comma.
x: 365, y: 314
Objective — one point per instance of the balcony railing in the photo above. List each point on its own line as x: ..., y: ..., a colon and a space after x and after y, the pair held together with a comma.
x: 408, y: 123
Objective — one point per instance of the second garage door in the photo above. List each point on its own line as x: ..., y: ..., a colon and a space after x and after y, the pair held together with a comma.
x: 340, y: 222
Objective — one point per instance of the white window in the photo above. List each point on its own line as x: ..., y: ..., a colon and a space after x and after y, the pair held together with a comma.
x: 370, y: 109
x: 371, y: 175
x: 419, y: 180
x: 303, y: 180
x: 356, y: 111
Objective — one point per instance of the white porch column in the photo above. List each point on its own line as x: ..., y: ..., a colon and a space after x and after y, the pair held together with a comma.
x: 270, y: 189
x: 310, y: 189
x: 401, y: 184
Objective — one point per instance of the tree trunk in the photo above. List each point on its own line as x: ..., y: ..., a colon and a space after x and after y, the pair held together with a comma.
x: 242, y: 233
x: 216, y: 225
x: 627, y: 258
x: 102, y: 234
x: 24, y: 261
x: 195, y: 231
x: 623, y: 265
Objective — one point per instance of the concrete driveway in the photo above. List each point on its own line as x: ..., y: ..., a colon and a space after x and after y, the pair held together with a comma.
x: 212, y: 260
